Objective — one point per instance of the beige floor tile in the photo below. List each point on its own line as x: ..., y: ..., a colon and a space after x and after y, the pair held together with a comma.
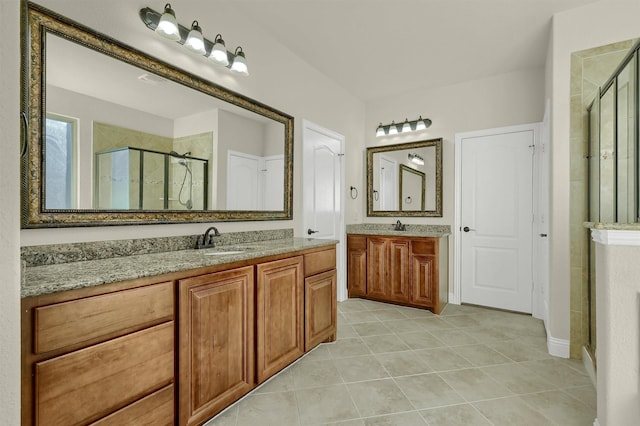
x: 474, y: 385
x: 357, y: 422
x: 558, y: 372
x: 360, y: 368
x: 345, y: 330
x: 389, y: 314
x: 481, y: 355
x: 428, y: 391
x: 325, y: 405
x: 371, y: 329
x: 352, y: 305
x: 404, y: 325
x: 403, y: 419
x: 519, y: 351
x: 360, y: 316
x: 510, y: 412
x: 404, y: 363
x: 352, y: 346
x: 454, y: 337
x: 451, y: 309
x: 561, y: 408
x: 272, y: 409
x: 281, y: 382
x: 455, y: 415
x: 385, y: 343
x: 420, y: 340
x: 378, y: 397
x: 435, y: 323
x: 415, y: 313
x: 443, y: 359
x: 227, y: 418
x: 319, y: 352
x: 518, y: 379
x: 461, y: 321
x: 585, y: 394
x: 487, y: 335
x: 314, y: 373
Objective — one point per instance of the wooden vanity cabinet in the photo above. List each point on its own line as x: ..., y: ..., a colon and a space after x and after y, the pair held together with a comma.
x: 91, y: 358
x: 216, y: 342
x: 320, y: 298
x: 405, y: 270
x: 357, y: 265
x: 279, y: 315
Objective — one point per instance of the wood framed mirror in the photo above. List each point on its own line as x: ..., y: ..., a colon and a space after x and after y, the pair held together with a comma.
x: 114, y: 136
x: 405, y: 179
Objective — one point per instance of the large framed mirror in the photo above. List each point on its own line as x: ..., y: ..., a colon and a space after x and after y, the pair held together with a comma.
x: 115, y: 136
x: 405, y: 179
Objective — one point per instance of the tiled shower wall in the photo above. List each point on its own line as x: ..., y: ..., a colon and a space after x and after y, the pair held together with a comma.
x: 589, y: 69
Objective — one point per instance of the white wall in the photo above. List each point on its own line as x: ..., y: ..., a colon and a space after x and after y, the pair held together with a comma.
x: 10, y: 213
x: 597, y: 24
x: 618, y: 325
x: 499, y: 101
x: 286, y: 83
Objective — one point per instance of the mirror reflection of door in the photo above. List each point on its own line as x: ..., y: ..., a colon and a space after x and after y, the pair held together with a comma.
x: 388, y: 184
x: 254, y: 182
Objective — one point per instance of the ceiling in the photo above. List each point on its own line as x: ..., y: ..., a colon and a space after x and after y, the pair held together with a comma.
x: 379, y: 48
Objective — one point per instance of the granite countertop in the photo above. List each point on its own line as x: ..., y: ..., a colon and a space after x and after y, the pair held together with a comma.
x: 613, y: 226
x: 45, y: 279
x: 436, y: 231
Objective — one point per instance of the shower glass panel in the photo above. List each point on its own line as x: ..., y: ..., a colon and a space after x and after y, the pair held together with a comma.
x: 625, y: 118
x: 594, y: 160
x: 607, y: 185
x: 133, y: 178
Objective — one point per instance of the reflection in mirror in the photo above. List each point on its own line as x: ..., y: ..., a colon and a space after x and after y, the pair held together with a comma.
x: 127, y: 137
x: 405, y: 179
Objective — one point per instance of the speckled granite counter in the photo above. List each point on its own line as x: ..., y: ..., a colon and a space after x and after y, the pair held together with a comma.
x: 411, y: 230
x: 39, y: 280
x: 613, y: 226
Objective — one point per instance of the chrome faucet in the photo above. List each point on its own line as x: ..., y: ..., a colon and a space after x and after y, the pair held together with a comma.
x: 206, y: 240
x: 400, y: 226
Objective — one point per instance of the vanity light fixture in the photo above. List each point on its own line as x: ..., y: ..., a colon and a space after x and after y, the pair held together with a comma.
x: 416, y: 159
x: 407, y: 126
x: 166, y: 25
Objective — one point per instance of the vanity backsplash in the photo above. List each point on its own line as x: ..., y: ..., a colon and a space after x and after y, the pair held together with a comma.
x: 76, y: 252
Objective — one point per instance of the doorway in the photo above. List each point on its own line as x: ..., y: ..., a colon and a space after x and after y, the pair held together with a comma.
x: 494, y: 226
x: 323, y: 192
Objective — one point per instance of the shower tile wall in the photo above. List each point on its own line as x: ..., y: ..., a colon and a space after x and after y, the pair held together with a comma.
x: 200, y: 146
x: 589, y: 69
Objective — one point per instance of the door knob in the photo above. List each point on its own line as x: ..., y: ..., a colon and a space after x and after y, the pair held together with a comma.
x: 543, y: 235
x: 310, y: 231
x: 467, y: 229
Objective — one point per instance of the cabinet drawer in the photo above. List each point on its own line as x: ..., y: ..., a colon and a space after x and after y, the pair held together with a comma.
x: 90, y: 383
x: 156, y: 409
x: 320, y: 261
x: 426, y: 246
x: 69, y: 323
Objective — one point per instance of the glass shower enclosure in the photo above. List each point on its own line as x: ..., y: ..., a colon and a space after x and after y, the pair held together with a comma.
x: 613, y: 160
x: 140, y: 179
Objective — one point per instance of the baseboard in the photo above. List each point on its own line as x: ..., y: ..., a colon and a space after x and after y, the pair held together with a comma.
x: 589, y: 366
x: 557, y: 347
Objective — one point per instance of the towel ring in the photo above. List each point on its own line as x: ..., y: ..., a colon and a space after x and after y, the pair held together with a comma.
x: 352, y: 189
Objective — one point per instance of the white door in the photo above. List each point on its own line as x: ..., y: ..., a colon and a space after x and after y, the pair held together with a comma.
x: 273, y: 182
x: 242, y: 181
x: 322, y: 195
x: 496, y: 219
x: 388, y: 184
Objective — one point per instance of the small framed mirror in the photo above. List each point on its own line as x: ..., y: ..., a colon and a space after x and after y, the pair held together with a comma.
x: 405, y: 179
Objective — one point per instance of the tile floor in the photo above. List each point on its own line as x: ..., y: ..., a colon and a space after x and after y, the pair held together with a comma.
x: 393, y: 365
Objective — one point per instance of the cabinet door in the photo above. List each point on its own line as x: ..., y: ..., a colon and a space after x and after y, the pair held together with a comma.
x: 280, y: 315
x: 377, y: 261
x: 357, y: 266
x: 320, y: 309
x: 398, y: 284
x: 216, y: 342
x: 425, y: 280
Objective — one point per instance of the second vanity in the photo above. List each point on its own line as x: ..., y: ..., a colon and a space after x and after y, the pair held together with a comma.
x: 170, y: 338
x: 407, y: 267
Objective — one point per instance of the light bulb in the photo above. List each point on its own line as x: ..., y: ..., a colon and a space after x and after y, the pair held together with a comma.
x: 195, y: 42
x: 239, y: 64
x: 406, y: 127
x: 393, y: 129
x: 380, y: 130
x: 168, y: 26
